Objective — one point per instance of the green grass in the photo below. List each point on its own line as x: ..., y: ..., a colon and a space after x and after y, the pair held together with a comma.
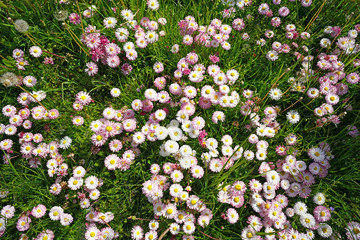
x: 121, y: 193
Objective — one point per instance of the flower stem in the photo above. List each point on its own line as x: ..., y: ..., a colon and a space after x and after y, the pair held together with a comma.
x: 164, y: 233
x: 292, y: 105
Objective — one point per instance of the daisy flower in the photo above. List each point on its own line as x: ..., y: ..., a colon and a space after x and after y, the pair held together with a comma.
x: 35, y: 51
x: 332, y: 99
x: 96, y: 125
x: 155, y: 168
x: 151, y: 36
x: 272, y: 55
x: 110, y: 22
x: 197, y: 171
x: 153, y: 4
x: 198, y: 123
x: 79, y: 172
x: 319, y: 199
x: 92, y: 68
x: 325, y: 43
x: 322, y: 214
x: 293, y: 116
x: 353, y: 228
x: 55, y: 213
x: 94, y: 194
x: 78, y: 120
x: 153, y: 225
x: 175, y: 48
x: 151, y: 235
x: 170, y: 211
x: 138, y: 137
x: 232, y: 216
x: 92, y: 233
x: 18, y: 53
x: 174, y: 228
x: 75, y: 183
x: 161, y: 133
x: 92, y: 182
x: 38, y: 211
x: 8, y: 211
x: 316, y: 154
x: 129, y: 125
x: 10, y: 130
x: 189, y: 228
x: 85, y: 203
x: 171, y: 146
x: 177, y: 176
x: 83, y: 98
x: 55, y: 189
x: 115, y: 92
x: 2, y: 225
x: 111, y: 162
x: 23, y: 223
x: 324, y: 230
x: 275, y: 94
x: 113, y: 61
x: 77, y: 106
x: 29, y: 81
x: 66, y: 219
x: 158, y: 67
x: 65, y: 142
x: 122, y: 34
x: 187, y: 40
x: 127, y: 14
x: 175, y: 190
x: 218, y: 116
x: 137, y: 233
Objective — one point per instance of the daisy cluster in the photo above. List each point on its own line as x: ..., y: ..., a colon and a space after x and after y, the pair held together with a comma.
x: 23, y: 222
x: 21, y: 61
x: 333, y: 83
x: 32, y: 146
x: 218, y: 33
x: 108, y: 129
x: 293, y: 178
x: 108, y: 51
x: 290, y: 176
x: 210, y: 36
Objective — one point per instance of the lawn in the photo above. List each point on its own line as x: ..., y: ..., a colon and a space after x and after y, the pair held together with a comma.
x: 179, y: 119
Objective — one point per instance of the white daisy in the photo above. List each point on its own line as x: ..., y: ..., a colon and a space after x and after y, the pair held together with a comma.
x: 275, y: 94
x: 293, y: 116
x: 110, y: 22
x: 65, y: 142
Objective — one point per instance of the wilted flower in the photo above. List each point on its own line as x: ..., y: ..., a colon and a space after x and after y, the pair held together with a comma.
x: 21, y: 25
x: 9, y: 79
